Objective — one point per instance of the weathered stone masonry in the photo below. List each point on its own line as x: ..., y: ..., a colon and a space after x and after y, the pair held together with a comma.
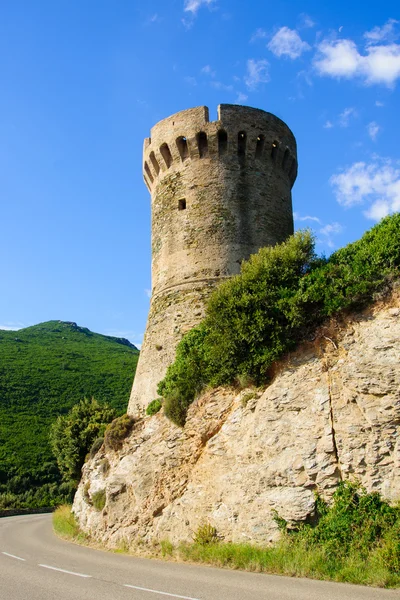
x: 220, y: 191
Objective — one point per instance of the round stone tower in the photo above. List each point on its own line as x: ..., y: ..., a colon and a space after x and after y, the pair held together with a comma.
x: 220, y: 191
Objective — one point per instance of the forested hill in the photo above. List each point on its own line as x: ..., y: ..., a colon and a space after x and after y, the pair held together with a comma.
x: 44, y: 371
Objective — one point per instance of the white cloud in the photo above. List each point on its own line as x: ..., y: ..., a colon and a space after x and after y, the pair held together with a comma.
x: 328, y: 125
x: 373, y: 130
x: 147, y: 292
x: 190, y: 80
x: 380, y: 34
x: 306, y: 21
x: 193, y: 6
x: 344, y: 117
x: 377, y: 183
x: 218, y: 85
x: 341, y: 58
x: 337, y: 59
x: 259, y: 34
x: 297, y: 217
x: 287, y: 42
x: 378, y: 210
x: 241, y: 98
x: 207, y: 70
x: 379, y: 103
x: 328, y: 231
x: 257, y: 72
x: 382, y: 65
x: 331, y: 228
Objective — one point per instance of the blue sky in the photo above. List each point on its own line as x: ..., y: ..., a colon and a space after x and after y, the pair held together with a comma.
x: 82, y: 83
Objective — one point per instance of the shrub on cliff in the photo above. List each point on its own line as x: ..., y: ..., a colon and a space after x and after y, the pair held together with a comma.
x: 254, y: 318
x: 72, y: 435
x: 117, y: 431
x: 154, y: 407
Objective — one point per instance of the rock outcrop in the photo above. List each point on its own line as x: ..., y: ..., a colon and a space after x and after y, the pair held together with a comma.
x: 332, y: 412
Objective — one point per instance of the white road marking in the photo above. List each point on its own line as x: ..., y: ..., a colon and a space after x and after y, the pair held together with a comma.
x: 64, y: 571
x: 142, y: 589
x: 13, y: 556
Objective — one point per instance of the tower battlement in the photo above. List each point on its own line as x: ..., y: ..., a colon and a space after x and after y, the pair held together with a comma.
x: 189, y: 135
x: 220, y: 190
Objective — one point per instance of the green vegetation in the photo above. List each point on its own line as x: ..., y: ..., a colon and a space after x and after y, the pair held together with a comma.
x: 99, y: 499
x: 117, y: 431
x: 72, y: 436
x: 356, y: 540
x: 154, y: 406
x: 44, y: 371
x: 281, y: 294
x: 205, y: 534
x: 65, y: 525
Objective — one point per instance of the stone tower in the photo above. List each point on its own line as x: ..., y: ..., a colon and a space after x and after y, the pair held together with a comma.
x: 220, y: 191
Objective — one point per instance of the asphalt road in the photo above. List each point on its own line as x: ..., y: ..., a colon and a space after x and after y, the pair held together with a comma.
x: 35, y: 565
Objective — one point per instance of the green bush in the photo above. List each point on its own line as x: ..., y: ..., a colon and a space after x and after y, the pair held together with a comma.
x: 357, y: 524
x: 205, y: 534
x: 99, y: 499
x: 154, y: 407
x: 280, y: 295
x: 73, y: 434
x: 97, y: 444
x: 117, y: 431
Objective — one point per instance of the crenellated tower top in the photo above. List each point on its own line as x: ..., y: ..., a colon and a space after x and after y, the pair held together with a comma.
x: 239, y: 131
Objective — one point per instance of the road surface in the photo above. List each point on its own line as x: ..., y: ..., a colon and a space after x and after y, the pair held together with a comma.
x: 36, y: 565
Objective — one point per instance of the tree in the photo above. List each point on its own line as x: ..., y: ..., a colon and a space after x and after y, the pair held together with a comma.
x: 72, y: 435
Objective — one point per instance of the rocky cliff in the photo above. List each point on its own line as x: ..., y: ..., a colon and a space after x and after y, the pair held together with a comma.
x: 332, y: 412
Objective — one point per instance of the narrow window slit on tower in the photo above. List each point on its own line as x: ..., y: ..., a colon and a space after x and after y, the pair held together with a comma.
x: 202, y: 143
x: 292, y: 171
x: 166, y: 154
x: 154, y: 162
x: 242, y: 143
x: 182, y: 145
x: 285, y: 159
x: 222, y: 141
x: 182, y: 204
x: 274, y: 150
x: 148, y: 172
x: 260, y: 146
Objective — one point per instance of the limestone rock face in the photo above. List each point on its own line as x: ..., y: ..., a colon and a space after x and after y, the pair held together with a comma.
x: 332, y: 412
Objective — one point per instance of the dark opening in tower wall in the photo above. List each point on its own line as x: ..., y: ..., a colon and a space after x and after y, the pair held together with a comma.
x: 202, y: 143
x: 274, y: 150
x: 293, y: 169
x: 148, y: 172
x: 182, y: 204
x: 166, y: 154
x: 260, y: 145
x: 222, y: 141
x: 242, y: 137
x: 182, y: 146
x: 154, y: 162
x: 285, y: 159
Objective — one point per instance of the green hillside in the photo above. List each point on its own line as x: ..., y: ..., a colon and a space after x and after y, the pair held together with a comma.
x: 44, y: 371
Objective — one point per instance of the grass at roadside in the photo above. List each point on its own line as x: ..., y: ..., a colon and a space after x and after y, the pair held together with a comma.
x: 65, y: 525
x: 356, y: 540
x: 288, y: 558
